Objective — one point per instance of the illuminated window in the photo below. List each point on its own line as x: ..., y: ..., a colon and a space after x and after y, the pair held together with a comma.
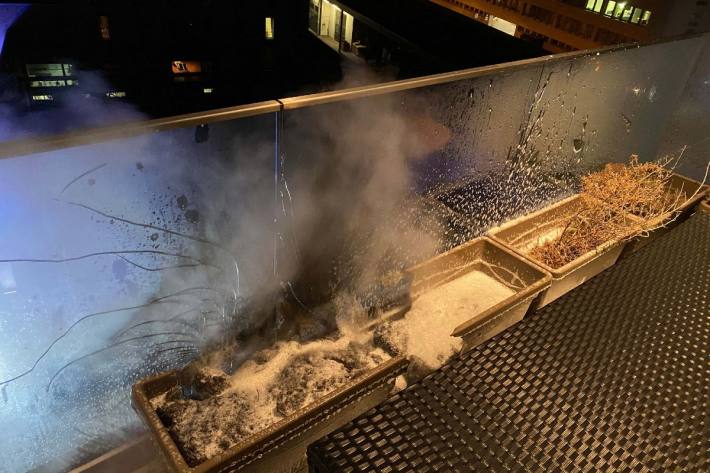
x: 595, y: 5
x: 646, y: 16
x: 626, y: 16
x: 314, y: 15
x: 619, y: 9
x: 186, y: 67
x: 269, y: 28
x: 48, y: 70
x: 207, y: 90
x: 610, y: 8
x: 49, y: 83
x: 637, y: 15
x: 115, y: 94
x: 43, y: 98
x: 103, y: 28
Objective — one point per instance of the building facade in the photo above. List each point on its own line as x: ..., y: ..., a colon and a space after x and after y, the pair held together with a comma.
x: 566, y: 25
x: 409, y: 38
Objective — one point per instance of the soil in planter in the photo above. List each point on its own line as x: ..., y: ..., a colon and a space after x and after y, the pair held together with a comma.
x: 215, y: 411
x: 424, y: 334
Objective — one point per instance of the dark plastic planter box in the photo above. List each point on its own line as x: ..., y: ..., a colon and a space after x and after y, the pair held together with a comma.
x: 282, y: 447
x: 496, y: 262
x: 524, y: 233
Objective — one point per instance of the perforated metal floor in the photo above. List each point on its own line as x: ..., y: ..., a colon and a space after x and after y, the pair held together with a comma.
x: 614, y: 376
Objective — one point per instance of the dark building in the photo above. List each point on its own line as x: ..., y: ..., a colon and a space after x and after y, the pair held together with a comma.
x: 92, y: 59
x: 168, y: 57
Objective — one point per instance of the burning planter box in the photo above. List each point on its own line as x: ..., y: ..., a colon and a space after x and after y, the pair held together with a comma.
x: 525, y: 234
x: 477, y: 289
x: 279, y: 447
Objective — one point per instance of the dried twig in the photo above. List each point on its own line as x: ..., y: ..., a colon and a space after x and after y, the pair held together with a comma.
x: 608, y: 197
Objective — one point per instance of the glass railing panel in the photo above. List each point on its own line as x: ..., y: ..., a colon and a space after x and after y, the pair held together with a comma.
x: 604, y: 108
x: 687, y: 128
x: 120, y: 260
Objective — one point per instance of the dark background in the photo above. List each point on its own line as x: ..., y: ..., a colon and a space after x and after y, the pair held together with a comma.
x: 239, y: 65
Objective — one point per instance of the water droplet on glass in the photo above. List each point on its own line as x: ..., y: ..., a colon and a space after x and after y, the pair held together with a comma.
x: 627, y: 123
x: 652, y: 94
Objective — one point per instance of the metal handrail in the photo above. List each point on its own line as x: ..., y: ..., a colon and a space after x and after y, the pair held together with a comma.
x: 46, y: 143
x: 40, y: 144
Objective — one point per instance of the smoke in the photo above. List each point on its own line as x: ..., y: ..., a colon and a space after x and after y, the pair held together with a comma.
x: 73, y: 108
x: 132, y: 257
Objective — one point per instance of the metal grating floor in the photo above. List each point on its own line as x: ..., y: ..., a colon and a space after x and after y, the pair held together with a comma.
x: 614, y: 376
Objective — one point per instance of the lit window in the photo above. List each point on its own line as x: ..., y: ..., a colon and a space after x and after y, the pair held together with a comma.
x: 48, y: 70
x: 43, y: 98
x: 646, y: 16
x: 269, y: 28
x: 590, y: 4
x: 637, y: 15
x: 103, y: 28
x: 186, y: 67
x: 207, y: 90
x: 610, y: 8
x: 619, y: 9
x: 115, y: 94
x: 626, y: 16
x: 49, y: 83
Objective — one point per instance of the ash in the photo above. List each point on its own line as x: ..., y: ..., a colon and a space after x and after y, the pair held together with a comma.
x: 424, y: 334
x: 213, y: 411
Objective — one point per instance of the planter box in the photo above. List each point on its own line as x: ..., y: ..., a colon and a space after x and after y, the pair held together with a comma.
x: 281, y: 447
x: 670, y: 219
x: 499, y: 265
x: 523, y: 234
x: 704, y: 206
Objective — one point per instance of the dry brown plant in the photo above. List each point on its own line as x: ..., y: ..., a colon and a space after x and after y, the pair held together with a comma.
x: 593, y: 225
x: 640, y: 189
x: 609, y: 197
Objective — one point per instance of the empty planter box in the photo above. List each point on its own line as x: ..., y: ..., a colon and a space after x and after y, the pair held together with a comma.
x: 525, y: 233
x: 282, y: 446
x: 496, y: 287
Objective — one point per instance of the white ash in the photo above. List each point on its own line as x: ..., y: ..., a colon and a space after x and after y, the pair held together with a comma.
x: 424, y: 334
x: 271, y: 385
